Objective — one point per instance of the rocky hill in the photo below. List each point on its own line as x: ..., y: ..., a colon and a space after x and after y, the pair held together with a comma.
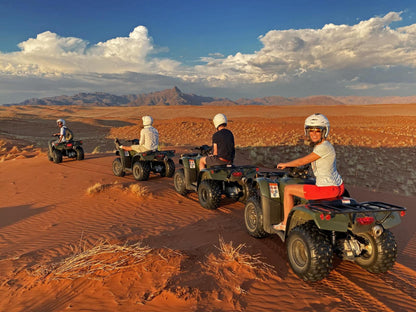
x: 174, y: 96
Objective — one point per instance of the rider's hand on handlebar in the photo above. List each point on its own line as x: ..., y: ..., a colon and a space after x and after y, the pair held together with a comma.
x: 281, y: 166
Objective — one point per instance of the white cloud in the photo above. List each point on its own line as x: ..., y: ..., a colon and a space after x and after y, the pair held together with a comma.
x: 49, y: 54
x: 290, y: 53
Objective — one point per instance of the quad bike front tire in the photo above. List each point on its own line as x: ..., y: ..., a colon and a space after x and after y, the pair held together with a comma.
x: 309, y: 252
x: 179, y: 182
x: 380, y: 252
x: 169, y: 169
x: 253, y: 217
x: 141, y: 170
x: 118, y: 168
x: 80, y: 153
x: 209, y: 194
x: 57, y: 156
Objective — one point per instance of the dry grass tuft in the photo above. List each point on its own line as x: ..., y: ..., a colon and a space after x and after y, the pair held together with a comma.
x: 233, y: 255
x: 96, y: 188
x: 135, y: 189
x: 97, y: 261
x: 139, y: 190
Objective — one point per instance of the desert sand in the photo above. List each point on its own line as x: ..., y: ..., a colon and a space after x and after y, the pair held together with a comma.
x: 73, y: 237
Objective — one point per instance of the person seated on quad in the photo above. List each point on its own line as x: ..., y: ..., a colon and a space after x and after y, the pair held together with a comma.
x: 64, y: 134
x: 329, y: 183
x: 149, y: 138
x: 222, y: 143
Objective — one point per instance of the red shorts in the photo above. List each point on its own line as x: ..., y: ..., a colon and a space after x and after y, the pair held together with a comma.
x: 312, y: 191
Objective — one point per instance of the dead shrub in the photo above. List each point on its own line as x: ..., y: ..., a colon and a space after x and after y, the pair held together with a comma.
x: 97, y: 261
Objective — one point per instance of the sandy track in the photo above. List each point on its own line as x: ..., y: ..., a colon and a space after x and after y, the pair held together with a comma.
x: 40, y: 223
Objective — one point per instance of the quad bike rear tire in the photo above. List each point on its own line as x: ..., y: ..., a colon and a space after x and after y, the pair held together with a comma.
x: 309, y: 252
x: 380, y: 253
x: 248, y: 192
x: 169, y: 169
x: 80, y: 153
x: 179, y: 182
x: 57, y: 156
x: 253, y: 217
x: 141, y: 170
x: 118, y: 168
x: 209, y: 194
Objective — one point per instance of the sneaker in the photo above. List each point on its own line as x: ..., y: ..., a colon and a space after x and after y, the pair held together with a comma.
x: 279, y: 227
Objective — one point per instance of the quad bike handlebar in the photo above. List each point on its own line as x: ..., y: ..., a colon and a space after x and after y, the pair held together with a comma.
x: 301, y: 172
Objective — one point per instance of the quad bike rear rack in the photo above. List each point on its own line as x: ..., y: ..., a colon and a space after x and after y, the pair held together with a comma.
x: 343, y: 206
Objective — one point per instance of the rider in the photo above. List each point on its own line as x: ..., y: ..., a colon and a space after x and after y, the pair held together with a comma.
x: 149, y: 138
x: 329, y: 183
x: 222, y: 143
x: 63, y: 134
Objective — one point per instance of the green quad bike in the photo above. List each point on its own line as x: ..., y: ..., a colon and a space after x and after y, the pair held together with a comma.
x: 70, y: 149
x: 211, y: 183
x: 142, y: 164
x: 317, y: 229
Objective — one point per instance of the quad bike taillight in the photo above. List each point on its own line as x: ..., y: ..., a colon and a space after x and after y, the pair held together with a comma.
x: 325, y: 217
x: 69, y: 144
x: 365, y: 220
x: 237, y: 174
x: 402, y: 213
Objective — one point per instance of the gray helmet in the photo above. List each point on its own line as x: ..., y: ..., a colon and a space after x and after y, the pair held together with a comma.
x: 317, y: 121
x: 219, y: 119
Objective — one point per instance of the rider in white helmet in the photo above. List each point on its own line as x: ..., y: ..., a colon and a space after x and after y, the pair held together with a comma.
x: 62, y: 134
x: 149, y: 138
x: 222, y: 143
x: 328, y: 183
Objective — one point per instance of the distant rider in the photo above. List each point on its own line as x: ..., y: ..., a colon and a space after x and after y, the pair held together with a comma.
x: 222, y: 144
x: 63, y: 135
x: 149, y: 138
x: 329, y: 183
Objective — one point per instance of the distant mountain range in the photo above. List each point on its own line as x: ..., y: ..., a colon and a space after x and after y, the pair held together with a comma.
x: 174, y: 96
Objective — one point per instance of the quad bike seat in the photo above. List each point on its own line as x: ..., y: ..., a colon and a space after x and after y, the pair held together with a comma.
x: 225, y: 166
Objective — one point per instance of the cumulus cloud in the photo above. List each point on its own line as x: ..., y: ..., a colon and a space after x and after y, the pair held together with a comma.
x: 51, y: 55
x: 290, y: 53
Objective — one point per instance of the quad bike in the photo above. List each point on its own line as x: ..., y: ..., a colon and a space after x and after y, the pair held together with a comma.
x: 211, y: 183
x: 70, y: 149
x: 316, y: 229
x: 142, y: 164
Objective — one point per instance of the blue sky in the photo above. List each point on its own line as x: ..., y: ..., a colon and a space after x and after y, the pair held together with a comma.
x: 216, y: 48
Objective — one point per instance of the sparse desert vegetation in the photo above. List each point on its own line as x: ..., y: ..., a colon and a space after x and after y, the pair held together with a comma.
x: 99, y: 260
x: 188, y: 258
x: 135, y: 189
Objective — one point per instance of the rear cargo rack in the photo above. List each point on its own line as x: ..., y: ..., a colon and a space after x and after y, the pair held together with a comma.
x: 342, y: 206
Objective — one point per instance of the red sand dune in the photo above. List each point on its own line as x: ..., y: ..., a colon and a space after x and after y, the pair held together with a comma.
x: 73, y: 237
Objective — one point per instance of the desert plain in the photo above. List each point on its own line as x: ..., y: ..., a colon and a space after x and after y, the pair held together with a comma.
x: 74, y: 237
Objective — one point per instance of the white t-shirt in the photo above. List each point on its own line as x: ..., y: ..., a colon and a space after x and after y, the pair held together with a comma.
x: 63, y: 133
x: 325, y: 167
x: 149, y: 138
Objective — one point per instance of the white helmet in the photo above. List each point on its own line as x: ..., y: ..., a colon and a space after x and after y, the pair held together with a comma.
x: 219, y: 119
x: 317, y: 121
x: 60, y: 121
x: 147, y: 121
